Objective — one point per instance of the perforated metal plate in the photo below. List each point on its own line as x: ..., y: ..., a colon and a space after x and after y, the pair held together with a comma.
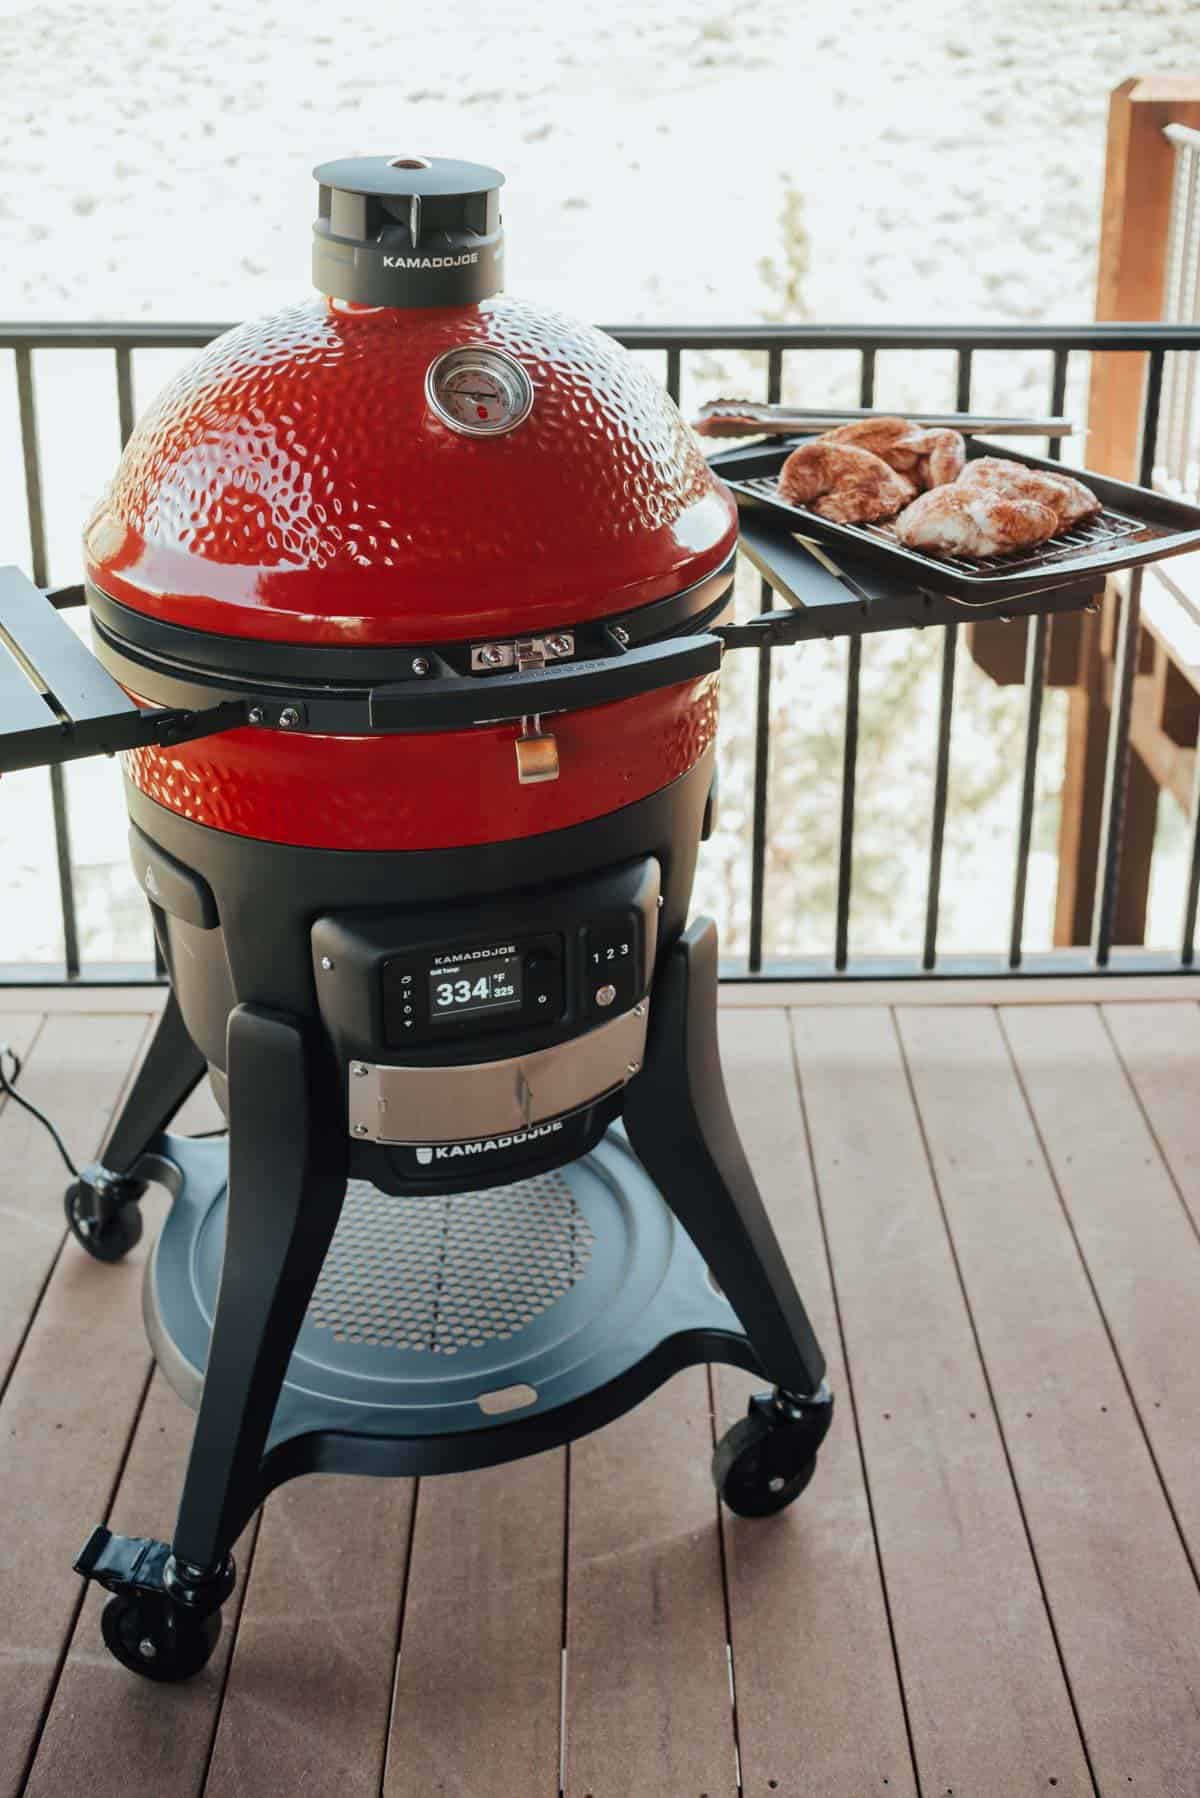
x: 484, y: 1326
x: 444, y: 1274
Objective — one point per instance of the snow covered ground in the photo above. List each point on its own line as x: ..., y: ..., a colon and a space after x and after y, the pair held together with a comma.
x: 691, y: 162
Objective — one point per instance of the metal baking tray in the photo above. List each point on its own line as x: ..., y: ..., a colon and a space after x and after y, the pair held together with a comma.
x: 1136, y: 526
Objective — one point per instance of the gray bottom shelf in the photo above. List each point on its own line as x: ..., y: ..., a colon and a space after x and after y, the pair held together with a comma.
x: 449, y: 1332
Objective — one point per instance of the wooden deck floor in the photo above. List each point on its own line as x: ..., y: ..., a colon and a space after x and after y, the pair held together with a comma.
x: 990, y: 1588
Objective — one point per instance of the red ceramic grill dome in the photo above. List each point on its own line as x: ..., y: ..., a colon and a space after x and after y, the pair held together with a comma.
x: 295, y: 486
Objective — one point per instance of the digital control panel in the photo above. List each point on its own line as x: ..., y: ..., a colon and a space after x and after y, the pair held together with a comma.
x: 459, y: 983
x: 476, y: 980
x: 469, y: 989
x: 438, y: 994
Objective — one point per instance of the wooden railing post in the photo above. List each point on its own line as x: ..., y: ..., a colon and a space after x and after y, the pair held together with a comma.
x: 1134, y: 228
x: 1131, y: 284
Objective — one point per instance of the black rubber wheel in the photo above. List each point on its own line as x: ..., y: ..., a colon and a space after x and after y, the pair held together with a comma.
x: 761, y: 1465
x: 122, y: 1232
x: 158, y: 1640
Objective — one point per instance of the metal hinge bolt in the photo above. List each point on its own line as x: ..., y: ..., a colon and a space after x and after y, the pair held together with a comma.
x: 421, y: 664
x: 524, y: 653
x: 289, y: 717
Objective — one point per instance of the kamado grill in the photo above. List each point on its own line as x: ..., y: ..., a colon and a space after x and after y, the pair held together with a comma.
x: 408, y: 606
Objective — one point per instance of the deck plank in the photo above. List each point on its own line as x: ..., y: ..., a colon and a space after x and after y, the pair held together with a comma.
x: 478, y: 1683
x: 1125, y: 1607
x: 306, y: 1706
x: 1136, y: 1236
x: 987, y: 1702
x: 75, y: 1073
x: 648, y: 1705
x: 812, y: 1575
x: 1160, y: 1047
x: 83, y: 1001
x: 109, y: 1734
x: 828, y: 990
x: 78, y: 1384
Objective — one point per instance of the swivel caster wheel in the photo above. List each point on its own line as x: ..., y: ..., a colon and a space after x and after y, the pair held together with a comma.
x: 157, y: 1639
x: 765, y: 1461
x: 107, y: 1238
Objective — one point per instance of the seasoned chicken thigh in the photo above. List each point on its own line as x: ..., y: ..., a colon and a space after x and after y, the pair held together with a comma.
x: 879, y: 435
x: 1069, y: 499
x: 970, y: 520
x: 843, y: 483
x: 928, y: 457
x: 940, y: 456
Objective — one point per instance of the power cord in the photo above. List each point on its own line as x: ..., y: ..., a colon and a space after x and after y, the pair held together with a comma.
x: 8, y: 1084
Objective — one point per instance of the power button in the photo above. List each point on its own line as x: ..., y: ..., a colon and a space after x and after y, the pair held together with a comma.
x: 543, y: 987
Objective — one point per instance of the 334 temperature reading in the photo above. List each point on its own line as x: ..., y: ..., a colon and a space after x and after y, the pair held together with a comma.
x: 461, y: 992
x: 475, y: 983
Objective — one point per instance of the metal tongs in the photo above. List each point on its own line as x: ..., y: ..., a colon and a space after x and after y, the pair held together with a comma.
x: 755, y: 418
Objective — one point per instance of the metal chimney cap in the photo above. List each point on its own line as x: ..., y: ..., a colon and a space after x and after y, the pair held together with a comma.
x: 408, y: 230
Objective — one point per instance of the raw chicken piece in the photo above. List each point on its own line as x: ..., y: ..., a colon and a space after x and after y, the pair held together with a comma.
x: 929, y: 457
x: 879, y: 435
x: 971, y: 520
x: 1070, y: 500
x: 842, y: 483
x: 940, y: 456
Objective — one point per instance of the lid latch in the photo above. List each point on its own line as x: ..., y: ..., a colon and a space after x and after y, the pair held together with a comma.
x: 537, y: 752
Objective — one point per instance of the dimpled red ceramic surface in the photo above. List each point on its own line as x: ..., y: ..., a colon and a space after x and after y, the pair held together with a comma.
x: 293, y: 485
x: 434, y: 791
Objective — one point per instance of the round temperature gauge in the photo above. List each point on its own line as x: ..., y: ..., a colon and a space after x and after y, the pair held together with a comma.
x: 479, y: 390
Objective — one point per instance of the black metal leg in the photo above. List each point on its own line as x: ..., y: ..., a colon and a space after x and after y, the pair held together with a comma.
x: 102, y: 1204
x: 172, y: 1068
x: 681, y: 1128
x: 287, y: 1181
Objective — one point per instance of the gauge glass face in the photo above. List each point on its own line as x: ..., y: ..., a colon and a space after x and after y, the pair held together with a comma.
x: 481, y: 392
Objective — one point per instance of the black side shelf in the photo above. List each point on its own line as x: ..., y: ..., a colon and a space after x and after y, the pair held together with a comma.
x: 57, y: 704
x: 832, y: 592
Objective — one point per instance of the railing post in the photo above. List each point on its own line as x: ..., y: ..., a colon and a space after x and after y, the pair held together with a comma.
x: 762, y: 737
x: 1135, y: 227
x: 1119, y: 753
x: 39, y: 568
x: 1131, y: 281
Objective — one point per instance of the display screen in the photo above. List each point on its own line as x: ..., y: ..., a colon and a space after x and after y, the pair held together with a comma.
x: 487, y: 982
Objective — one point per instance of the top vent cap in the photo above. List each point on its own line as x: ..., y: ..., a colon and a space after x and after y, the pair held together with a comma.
x: 408, y: 230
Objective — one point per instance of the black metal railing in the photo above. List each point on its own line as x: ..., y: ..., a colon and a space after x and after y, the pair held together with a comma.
x: 1151, y: 342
